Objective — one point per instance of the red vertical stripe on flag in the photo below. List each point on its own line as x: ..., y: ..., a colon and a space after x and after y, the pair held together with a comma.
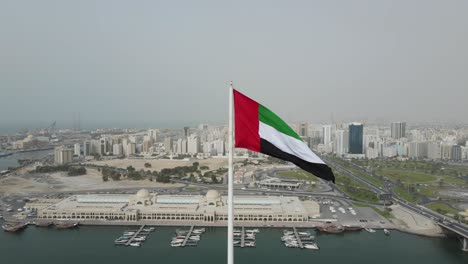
x: 246, y: 122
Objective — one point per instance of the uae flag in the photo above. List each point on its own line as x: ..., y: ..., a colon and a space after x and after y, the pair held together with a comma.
x: 260, y: 130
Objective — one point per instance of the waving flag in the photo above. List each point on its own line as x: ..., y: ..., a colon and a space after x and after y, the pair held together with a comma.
x: 260, y: 130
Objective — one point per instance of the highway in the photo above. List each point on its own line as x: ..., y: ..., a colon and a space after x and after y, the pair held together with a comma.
x: 442, y: 220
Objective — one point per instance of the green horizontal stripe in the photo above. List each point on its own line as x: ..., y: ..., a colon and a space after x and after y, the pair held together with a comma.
x: 268, y: 117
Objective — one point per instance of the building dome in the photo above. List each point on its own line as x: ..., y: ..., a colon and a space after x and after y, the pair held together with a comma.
x: 143, y: 193
x: 212, y: 194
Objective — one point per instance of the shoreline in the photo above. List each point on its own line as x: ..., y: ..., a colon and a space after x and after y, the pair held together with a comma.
x: 422, y: 233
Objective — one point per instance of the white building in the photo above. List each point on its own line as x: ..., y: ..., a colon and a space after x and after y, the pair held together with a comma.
x: 153, y: 134
x: 193, y: 144
x: 77, y: 149
x: 341, y: 142
x: 150, y: 208
x: 63, y: 155
x: 327, y: 130
x: 131, y: 149
x: 117, y: 149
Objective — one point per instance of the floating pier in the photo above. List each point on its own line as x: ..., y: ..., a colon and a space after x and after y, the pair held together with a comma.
x: 299, y: 240
x: 187, y: 236
x: 137, y: 233
x: 243, y: 237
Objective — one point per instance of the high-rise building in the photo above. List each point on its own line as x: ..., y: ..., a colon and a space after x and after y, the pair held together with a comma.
x: 339, y: 146
x: 153, y: 134
x: 433, y: 151
x: 303, y: 129
x: 456, y: 153
x: 355, y: 138
x: 446, y: 151
x: 327, y: 130
x: 418, y: 149
x: 183, y: 149
x: 168, y: 144
x: 398, y: 130
x: 63, y: 155
x: 131, y: 149
x: 148, y: 142
x: 117, y: 149
x: 193, y: 143
x: 77, y: 149
x: 86, y: 148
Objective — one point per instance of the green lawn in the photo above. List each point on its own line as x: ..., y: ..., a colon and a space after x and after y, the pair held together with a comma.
x: 442, y: 208
x: 454, y: 180
x: 354, y: 189
x: 429, y: 191
x: 298, y: 174
x: 407, y: 176
x: 191, y: 188
x: 403, y: 193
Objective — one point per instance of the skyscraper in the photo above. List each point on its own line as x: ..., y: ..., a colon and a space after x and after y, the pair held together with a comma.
x: 341, y: 142
x: 398, y: 130
x: 77, y: 149
x: 355, y: 138
x: 168, y: 144
x: 193, y: 143
x: 326, y: 134
x: 303, y: 129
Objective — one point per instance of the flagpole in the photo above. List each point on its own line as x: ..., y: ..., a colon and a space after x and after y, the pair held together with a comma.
x: 230, y: 232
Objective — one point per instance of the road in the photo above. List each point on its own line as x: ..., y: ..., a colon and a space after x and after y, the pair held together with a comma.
x: 461, y: 228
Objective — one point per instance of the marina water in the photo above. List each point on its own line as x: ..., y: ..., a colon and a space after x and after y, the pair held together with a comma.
x: 95, y: 244
x: 12, y: 160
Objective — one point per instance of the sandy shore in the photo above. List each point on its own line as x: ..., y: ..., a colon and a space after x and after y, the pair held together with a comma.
x: 407, y: 221
x: 60, y: 182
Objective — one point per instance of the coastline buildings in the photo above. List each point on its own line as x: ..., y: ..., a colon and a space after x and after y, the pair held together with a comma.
x: 153, y: 208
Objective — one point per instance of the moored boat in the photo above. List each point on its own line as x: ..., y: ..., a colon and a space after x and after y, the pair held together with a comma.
x: 331, y: 229
x: 311, y: 246
x: 14, y: 227
x: 65, y: 225
x: 352, y: 228
x: 43, y: 224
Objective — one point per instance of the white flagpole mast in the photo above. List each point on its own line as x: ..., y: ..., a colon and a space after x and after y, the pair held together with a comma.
x: 230, y: 232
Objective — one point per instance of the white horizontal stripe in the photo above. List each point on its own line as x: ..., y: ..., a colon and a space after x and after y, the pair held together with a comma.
x: 288, y: 144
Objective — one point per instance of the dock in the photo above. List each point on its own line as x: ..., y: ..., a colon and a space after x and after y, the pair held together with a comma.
x: 299, y: 240
x: 187, y: 236
x: 243, y: 237
x: 137, y: 233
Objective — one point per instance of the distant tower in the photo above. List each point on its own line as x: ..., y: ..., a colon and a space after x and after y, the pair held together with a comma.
x: 398, y: 130
x: 186, y: 130
x: 79, y: 122
x: 355, y: 138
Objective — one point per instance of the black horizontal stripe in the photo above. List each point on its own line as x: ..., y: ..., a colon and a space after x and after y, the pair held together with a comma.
x: 317, y: 169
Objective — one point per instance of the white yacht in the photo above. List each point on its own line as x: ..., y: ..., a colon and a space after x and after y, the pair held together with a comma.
x: 311, y: 246
x: 135, y: 244
x: 370, y: 230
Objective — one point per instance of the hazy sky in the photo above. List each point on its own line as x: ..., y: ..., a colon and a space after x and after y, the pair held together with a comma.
x: 154, y: 63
